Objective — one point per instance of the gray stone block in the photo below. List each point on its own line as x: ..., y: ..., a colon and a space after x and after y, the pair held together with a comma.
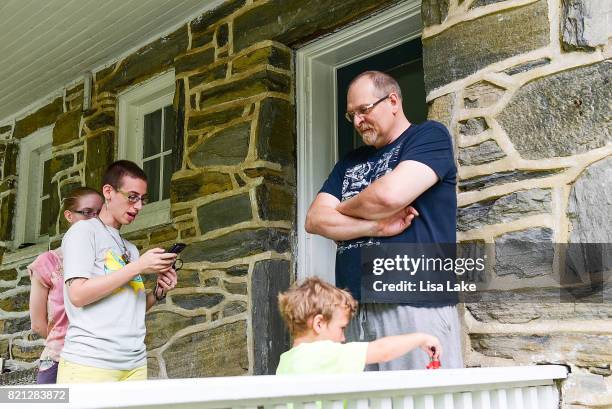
x: 467, y: 47
x: 161, y: 325
x: 480, y: 3
x: 482, y: 94
x: 275, y: 136
x: 434, y: 11
x: 441, y: 109
x: 483, y: 182
x: 270, y: 338
x: 241, y: 243
x: 197, y: 300
x: 546, y: 304
x: 525, y: 253
x: 582, y: 387
x: 473, y: 126
x: 486, y: 152
x: 585, y: 24
x: 219, y: 351
x: 19, y: 377
x: 529, y: 65
x: 564, y: 114
x: 590, y: 204
x: 224, y: 212
x: 504, y: 209
x: 577, y: 349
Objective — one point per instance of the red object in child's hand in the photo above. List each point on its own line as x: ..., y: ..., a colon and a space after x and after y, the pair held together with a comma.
x: 434, y: 364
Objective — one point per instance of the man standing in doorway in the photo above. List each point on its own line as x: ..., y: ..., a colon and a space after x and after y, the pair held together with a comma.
x: 372, y: 197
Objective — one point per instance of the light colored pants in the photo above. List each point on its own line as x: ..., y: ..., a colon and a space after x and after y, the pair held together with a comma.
x: 373, y: 321
x: 70, y: 372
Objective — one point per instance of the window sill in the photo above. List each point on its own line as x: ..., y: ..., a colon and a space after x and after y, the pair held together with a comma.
x: 151, y: 215
x: 17, y: 255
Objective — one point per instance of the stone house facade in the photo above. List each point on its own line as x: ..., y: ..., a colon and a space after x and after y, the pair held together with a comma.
x: 523, y: 86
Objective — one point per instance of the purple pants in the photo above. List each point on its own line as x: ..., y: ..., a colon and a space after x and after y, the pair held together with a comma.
x: 48, y: 375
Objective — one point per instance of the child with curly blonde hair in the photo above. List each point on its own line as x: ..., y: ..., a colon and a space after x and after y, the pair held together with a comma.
x: 316, y: 314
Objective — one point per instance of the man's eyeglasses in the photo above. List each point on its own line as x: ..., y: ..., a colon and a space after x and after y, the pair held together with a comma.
x: 133, y: 198
x: 86, y: 212
x: 364, y: 110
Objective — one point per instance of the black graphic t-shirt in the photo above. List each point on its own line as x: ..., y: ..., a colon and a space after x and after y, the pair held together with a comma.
x: 428, y: 143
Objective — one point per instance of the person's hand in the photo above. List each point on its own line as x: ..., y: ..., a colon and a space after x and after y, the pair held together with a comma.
x: 397, y: 223
x: 166, y: 281
x: 431, y: 345
x: 156, y: 261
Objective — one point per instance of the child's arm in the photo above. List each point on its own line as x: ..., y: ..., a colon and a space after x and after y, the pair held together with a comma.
x: 389, y: 348
x: 84, y: 291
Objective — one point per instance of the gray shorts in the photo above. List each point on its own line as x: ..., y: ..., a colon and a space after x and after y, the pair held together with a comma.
x: 373, y: 321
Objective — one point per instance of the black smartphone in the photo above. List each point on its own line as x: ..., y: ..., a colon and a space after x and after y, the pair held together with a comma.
x: 176, y: 248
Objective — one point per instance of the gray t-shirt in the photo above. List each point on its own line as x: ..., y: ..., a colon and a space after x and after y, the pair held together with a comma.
x: 110, y: 332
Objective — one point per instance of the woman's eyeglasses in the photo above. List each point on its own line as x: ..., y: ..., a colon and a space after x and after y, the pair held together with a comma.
x: 86, y: 213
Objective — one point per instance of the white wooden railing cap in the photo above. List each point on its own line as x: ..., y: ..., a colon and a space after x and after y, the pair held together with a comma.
x: 224, y: 392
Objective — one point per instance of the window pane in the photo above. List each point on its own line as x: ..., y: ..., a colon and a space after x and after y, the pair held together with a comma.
x: 169, y: 127
x: 44, y: 217
x: 168, y: 169
x: 151, y: 169
x: 152, y: 134
x: 46, y: 182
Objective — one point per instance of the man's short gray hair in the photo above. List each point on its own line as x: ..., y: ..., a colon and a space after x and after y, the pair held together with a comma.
x: 383, y: 83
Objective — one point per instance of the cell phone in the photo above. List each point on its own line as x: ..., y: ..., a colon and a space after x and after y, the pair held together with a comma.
x: 176, y: 248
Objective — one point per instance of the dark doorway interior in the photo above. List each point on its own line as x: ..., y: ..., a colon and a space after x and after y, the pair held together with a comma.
x: 405, y: 63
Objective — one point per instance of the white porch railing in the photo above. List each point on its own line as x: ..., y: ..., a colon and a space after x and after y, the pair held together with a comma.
x: 526, y: 387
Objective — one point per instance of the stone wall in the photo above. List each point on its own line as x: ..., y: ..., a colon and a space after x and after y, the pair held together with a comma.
x: 233, y: 189
x: 524, y: 87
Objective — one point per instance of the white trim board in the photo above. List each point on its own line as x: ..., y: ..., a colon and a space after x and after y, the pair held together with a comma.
x: 316, y: 101
x: 133, y: 104
x: 29, y: 155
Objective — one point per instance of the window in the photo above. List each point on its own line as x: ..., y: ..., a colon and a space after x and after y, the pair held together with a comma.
x: 147, y: 136
x: 158, y: 142
x: 44, y: 192
x: 34, y: 188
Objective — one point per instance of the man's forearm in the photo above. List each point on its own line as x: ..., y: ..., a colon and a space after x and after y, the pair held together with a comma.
x: 369, y: 204
x: 390, y: 193
x: 330, y: 223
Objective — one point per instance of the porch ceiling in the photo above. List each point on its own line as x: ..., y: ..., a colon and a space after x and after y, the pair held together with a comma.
x: 45, y: 44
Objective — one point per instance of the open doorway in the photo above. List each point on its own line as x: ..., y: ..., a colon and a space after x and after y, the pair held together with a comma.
x: 319, y: 111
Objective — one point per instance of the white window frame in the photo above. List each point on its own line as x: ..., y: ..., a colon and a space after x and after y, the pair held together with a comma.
x: 316, y: 66
x: 33, y: 151
x: 44, y: 155
x: 133, y: 105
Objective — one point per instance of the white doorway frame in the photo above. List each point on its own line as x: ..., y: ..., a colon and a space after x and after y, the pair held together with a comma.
x: 316, y: 101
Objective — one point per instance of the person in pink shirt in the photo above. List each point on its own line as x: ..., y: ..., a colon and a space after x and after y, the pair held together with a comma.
x: 47, y: 314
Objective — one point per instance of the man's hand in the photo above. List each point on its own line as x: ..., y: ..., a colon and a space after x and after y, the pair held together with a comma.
x: 156, y: 261
x: 397, y: 223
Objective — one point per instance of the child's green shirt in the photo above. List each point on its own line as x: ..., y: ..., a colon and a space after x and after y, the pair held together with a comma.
x: 323, y: 357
